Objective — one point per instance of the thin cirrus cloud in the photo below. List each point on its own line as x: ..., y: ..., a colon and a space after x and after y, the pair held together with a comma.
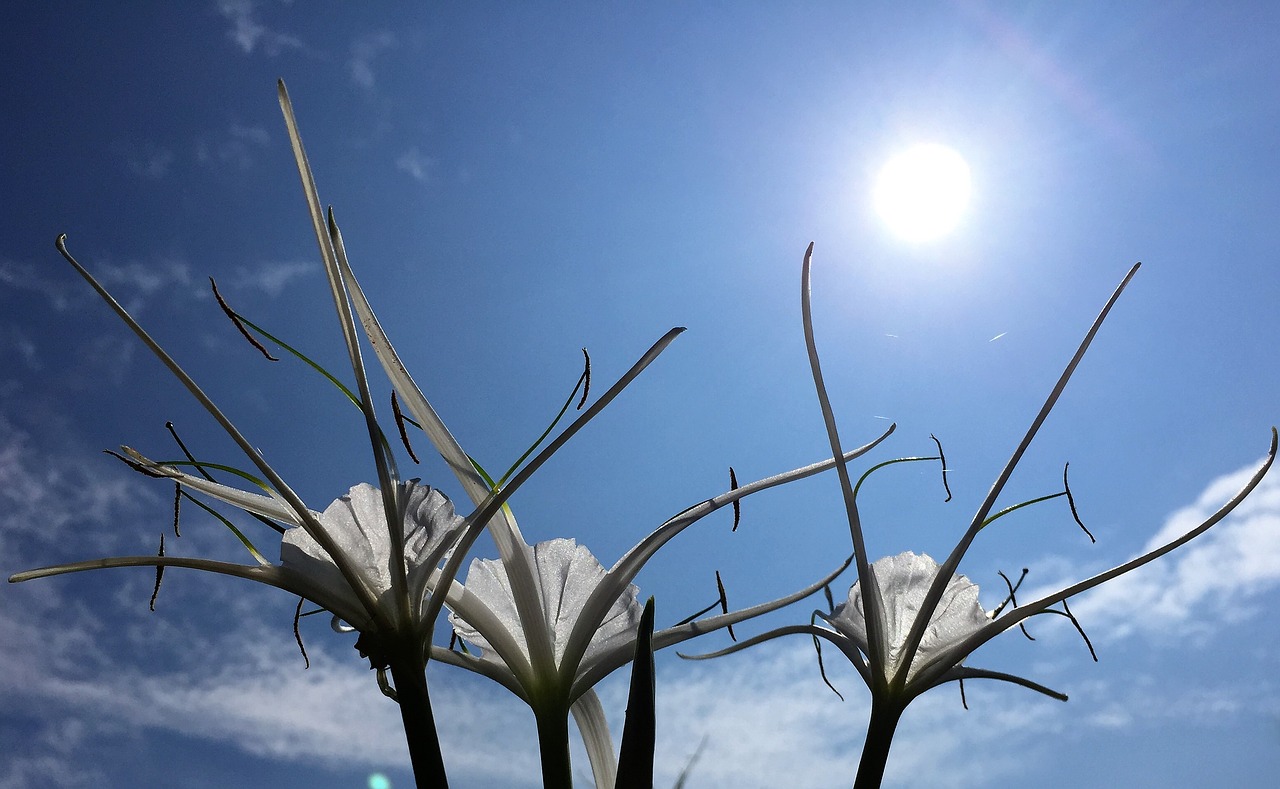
x: 415, y: 163
x: 237, y: 146
x: 250, y: 34
x: 150, y: 162
x: 170, y: 276
x: 272, y: 278
x: 364, y: 50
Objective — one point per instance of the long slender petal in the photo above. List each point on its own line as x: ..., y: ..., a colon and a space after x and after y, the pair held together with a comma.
x: 1020, y: 613
x: 304, y: 514
x: 384, y: 461
x: 273, y: 507
x: 588, y: 713
x: 617, y: 654
x: 873, y: 602
x: 329, y: 254
x: 477, y: 613
x: 279, y: 577
x: 604, y: 595
x: 953, y: 560
x: 496, y: 499
x: 412, y: 397
x: 494, y: 671
x: 502, y: 528
x: 840, y: 640
x: 965, y: 672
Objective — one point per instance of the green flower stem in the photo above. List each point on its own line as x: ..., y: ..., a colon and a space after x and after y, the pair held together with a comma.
x: 875, y: 753
x: 553, y: 744
x: 410, y: 679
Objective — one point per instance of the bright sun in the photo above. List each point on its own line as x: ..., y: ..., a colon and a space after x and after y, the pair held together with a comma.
x: 921, y: 193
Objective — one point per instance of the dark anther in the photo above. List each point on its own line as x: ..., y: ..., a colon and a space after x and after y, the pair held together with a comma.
x: 199, y: 467
x: 724, y: 603
x: 1012, y: 598
x: 963, y: 700
x: 1013, y: 589
x: 453, y: 640
x: 297, y: 634
x: 737, y: 503
x: 159, y: 574
x: 1072, y: 502
x: 404, y: 436
x: 831, y: 603
x: 177, y: 507
x: 822, y: 669
x: 942, y: 459
x: 585, y: 380
x: 721, y: 603
x: 1067, y: 612
x: 236, y: 320
x: 136, y: 466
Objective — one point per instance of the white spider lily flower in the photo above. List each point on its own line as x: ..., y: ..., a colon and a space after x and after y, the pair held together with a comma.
x: 903, y: 581
x: 361, y: 564
x: 356, y: 524
x: 587, y: 617
x: 567, y: 573
x: 909, y: 623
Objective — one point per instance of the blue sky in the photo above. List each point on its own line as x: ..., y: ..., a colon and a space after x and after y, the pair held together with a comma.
x: 515, y: 183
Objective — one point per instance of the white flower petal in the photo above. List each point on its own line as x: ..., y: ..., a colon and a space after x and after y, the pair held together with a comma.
x: 357, y: 524
x: 567, y: 573
x: 904, y: 582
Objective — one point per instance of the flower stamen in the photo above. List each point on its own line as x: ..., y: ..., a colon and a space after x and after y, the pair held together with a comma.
x: 297, y: 633
x: 230, y: 313
x: 585, y: 380
x: 737, y: 503
x: 177, y: 507
x: 404, y: 435
x: 724, y: 601
x: 943, y: 460
x: 159, y: 575
x: 1071, y: 501
x: 1012, y: 598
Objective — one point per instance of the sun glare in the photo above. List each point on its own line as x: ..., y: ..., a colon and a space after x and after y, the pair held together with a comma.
x: 921, y: 193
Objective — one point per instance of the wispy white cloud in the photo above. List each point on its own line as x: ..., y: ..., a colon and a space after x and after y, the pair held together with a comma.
x: 42, y: 496
x: 415, y: 163
x: 29, y: 278
x: 250, y: 34
x: 237, y: 146
x: 272, y: 277
x: 364, y: 50
x: 145, y: 279
x: 28, y: 353
x: 253, y: 134
x: 151, y: 163
x: 45, y: 770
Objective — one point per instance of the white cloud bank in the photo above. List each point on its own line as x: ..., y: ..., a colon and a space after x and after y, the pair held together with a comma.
x: 1213, y: 580
x: 764, y: 716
